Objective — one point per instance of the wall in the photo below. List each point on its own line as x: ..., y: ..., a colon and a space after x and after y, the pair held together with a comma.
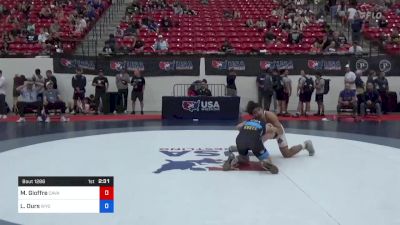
x: 159, y: 86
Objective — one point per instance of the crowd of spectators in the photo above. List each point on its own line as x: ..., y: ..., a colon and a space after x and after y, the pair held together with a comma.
x: 46, y: 25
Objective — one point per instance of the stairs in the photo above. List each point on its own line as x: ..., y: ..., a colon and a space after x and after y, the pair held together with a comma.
x: 93, y: 43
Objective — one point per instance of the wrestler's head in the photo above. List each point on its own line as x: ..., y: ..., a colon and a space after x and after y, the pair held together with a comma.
x: 255, y: 110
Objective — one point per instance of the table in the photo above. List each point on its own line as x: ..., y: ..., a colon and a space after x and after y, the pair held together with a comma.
x: 200, y: 107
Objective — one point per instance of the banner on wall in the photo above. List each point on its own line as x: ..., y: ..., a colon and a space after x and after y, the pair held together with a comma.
x: 328, y: 65
x: 149, y: 66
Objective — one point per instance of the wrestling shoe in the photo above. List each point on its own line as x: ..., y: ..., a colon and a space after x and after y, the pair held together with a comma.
x: 230, y: 164
x: 21, y: 120
x: 47, y: 119
x: 269, y: 167
x: 39, y: 119
x: 308, y: 145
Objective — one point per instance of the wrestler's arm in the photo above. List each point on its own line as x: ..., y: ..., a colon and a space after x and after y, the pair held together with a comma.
x: 273, y: 119
x: 240, y: 125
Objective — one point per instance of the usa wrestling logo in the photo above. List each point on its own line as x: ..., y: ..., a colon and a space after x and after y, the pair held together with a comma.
x: 198, y: 159
x: 191, y: 106
x: 204, y: 106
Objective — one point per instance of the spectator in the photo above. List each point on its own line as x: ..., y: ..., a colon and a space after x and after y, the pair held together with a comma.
x: 80, y: 25
x: 31, y: 37
x: 227, y: 47
x: 350, y: 78
x: 55, y: 27
x: 371, y: 100
x: 139, y: 46
x: 347, y: 99
x: 265, y: 89
x: 109, y: 44
x: 43, y: 35
x: 166, y: 23
x: 160, y: 44
x: 383, y: 22
x: 269, y: 37
x: 29, y: 93
x: 45, y: 13
x: 153, y: 26
x: 360, y: 87
x: 188, y: 11
x: 3, y: 105
x: 305, y: 88
x: 178, y: 10
x: 261, y: 24
x: 382, y: 86
x: 52, y: 78
x: 356, y: 27
x: 230, y: 84
x: 319, y: 94
x: 8, y: 37
x: 356, y: 48
x: 19, y: 80
x: 39, y: 79
x: 204, y: 2
x: 341, y: 11
x: 351, y: 13
x: 138, y: 82
x: 101, y: 84
x: 371, y: 77
x: 331, y: 48
x: 204, y: 91
x: 52, y: 100
x: 122, y: 81
x: 295, y: 36
x: 286, y: 93
x: 341, y: 38
x: 249, y: 23
x: 228, y: 14
x: 78, y: 84
x: 395, y: 36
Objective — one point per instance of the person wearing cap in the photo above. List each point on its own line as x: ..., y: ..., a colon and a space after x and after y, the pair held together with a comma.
x: 79, y: 84
x: 350, y: 78
x: 122, y: 82
x: 101, y: 84
x: 29, y: 99
x: 52, y: 100
x: 160, y: 44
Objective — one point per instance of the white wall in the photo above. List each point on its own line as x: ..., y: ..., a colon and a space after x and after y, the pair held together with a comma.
x: 162, y: 86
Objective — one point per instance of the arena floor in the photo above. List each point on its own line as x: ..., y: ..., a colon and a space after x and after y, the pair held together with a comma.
x: 170, y: 172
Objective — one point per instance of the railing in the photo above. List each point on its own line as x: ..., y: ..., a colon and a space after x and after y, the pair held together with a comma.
x: 216, y: 89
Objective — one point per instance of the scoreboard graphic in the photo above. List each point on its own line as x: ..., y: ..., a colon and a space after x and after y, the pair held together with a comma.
x: 65, y: 194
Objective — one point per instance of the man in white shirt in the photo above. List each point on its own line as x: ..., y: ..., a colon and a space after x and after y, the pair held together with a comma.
x: 3, y: 109
x: 351, y: 12
x: 355, y: 48
x: 350, y: 78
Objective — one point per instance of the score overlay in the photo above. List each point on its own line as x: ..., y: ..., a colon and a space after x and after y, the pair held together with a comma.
x: 65, y: 194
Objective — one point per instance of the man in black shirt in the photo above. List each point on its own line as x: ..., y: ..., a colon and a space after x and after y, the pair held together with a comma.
x: 230, y: 84
x: 204, y: 91
x: 265, y: 90
x: 371, y: 100
x: 138, y: 83
x: 101, y: 84
x: 52, y: 78
x: 382, y: 86
x: 79, y: 84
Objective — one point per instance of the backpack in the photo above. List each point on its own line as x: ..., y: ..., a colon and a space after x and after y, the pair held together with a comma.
x: 326, y: 86
x: 308, y: 85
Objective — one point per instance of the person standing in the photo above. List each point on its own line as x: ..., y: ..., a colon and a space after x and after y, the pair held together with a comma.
x: 39, y: 80
x: 138, y: 82
x: 52, y: 78
x: 101, y: 84
x: 78, y: 84
x: 230, y: 84
x: 287, y: 91
x: 305, y: 88
x: 122, y: 81
x: 382, y: 86
x: 18, y: 81
x: 350, y: 78
x: 3, y: 106
x: 319, y: 94
x: 265, y: 90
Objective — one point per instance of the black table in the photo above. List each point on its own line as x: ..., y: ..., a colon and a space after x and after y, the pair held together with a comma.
x: 201, y: 107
